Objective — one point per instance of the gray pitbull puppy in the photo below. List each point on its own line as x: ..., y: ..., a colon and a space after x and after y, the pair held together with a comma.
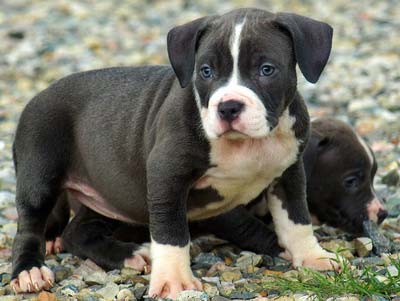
x: 163, y: 146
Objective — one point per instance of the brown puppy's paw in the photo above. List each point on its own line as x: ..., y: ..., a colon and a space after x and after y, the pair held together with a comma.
x: 140, y: 260
x: 33, y: 280
x: 54, y: 246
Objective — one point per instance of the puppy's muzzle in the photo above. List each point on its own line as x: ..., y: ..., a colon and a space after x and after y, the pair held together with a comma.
x: 230, y: 110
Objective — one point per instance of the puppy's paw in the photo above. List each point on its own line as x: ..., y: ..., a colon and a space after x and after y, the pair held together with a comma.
x: 320, y: 261
x: 54, y: 246
x: 33, y: 280
x: 140, y: 259
x: 286, y: 255
x: 169, y: 283
x: 171, y: 271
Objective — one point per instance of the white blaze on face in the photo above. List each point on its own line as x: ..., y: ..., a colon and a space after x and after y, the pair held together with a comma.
x: 235, y: 50
x: 366, y: 148
x: 252, y: 120
x: 375, y: 205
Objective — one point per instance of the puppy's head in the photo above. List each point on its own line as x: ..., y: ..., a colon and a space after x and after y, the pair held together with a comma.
x: 340, y: 170
x: 242, y: 66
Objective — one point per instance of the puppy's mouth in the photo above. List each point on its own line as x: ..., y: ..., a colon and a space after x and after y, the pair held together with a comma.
x: 237, y: 130
x: 234, y: 135
x: 352, y: 224
x: 230, y: 132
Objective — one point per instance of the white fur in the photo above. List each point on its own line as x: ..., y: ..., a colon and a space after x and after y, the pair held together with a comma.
x: 171, y: 268
x: 252, y: 120
x: 235, y: 50
x: 144, y: 251
x: 297, y: 239
x: 164, y: 257
x: 244, y: 168
x: 140, y: 259
x: 366, y: 148
x: 375, y: 205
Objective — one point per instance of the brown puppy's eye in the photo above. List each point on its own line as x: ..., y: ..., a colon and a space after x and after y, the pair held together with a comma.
x: 267, y: 69
x: 351, y: 182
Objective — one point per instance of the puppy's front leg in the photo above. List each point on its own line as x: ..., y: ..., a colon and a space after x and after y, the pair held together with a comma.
x: 288, y: 207
x: 168, y: 189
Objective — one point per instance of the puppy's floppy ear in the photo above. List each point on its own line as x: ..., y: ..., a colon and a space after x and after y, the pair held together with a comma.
x: 182, y: 44
x: 317, y: 143
x: 312, y: 42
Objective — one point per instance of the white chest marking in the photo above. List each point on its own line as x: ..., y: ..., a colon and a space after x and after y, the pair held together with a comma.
x: 244, y: 168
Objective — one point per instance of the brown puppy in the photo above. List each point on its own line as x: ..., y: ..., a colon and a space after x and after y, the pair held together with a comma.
x: 340, y: 169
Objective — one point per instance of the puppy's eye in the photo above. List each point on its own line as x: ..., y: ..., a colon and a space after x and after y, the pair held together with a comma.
x: 206, y: 72
x: 351, y: 182
x: 267, y: 70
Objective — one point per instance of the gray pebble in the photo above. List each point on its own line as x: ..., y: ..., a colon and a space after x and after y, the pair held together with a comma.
x: 125, y: 295
x: 374, y: 298
x: 61, y: 273
x: 109, y: 291
x: 243, y: 295
x: 248, y: 261
x: 367, y: 261
x: 74, y: 282
x: 87, y: 297
x: 363, y: 246
x: 139, y: 290
x: 206, y: 260
x: 5, y: 278
x: 220, y: 298
x: 392, y: 178
x: 192, y: 296
x: 11, y: 298
x: 380, y: 242
x: 69, y: 290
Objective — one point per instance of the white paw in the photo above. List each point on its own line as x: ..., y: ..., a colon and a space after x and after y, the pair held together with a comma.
x: 171, y: 283
x: 171, y: 271
x: 33, y: 280
x: 319, y: 260
x: 140, y: 259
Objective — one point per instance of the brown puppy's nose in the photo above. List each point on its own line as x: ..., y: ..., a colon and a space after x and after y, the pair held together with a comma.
x: 229, y: 110
x: 382, y: 214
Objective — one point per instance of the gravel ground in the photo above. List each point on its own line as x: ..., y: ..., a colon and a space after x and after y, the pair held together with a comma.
x: 44, y: 40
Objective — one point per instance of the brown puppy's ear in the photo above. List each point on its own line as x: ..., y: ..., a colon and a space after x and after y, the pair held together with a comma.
x: 312, y: 42
x: 315, y: 146
x: 182, y: 45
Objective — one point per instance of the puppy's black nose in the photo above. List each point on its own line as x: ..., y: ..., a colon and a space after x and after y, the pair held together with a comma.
x: 229, y: 110
x: 382, y: 214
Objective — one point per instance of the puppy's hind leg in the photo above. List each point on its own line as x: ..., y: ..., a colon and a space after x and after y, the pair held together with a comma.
x: 41, y: 151
x: 242, y: 228
x: 93, y: 236
x: 56, y: 223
